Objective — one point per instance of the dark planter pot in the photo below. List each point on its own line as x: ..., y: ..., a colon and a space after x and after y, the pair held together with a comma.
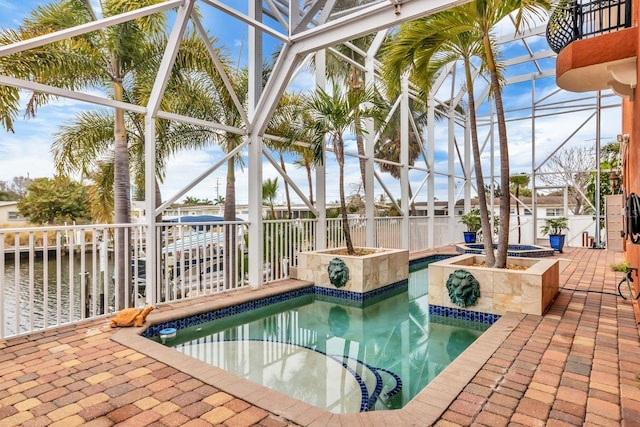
x: 469, y: 237
x: 556, y: 241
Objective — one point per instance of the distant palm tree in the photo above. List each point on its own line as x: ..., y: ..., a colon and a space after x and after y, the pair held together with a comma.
x: 521, y: 180
x: 269, y: 193
x: 389, y: 146
x: 306, y: 159
x: 283, y: 124
x: 334, y: 113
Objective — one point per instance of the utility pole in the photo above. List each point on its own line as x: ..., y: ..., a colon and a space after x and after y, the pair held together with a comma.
x: 217, y: 188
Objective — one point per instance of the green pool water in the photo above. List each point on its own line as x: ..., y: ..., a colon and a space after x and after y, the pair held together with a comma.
x: 335, y: 356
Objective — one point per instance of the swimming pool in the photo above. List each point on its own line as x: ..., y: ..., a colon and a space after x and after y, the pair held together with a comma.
x: 336, y: 354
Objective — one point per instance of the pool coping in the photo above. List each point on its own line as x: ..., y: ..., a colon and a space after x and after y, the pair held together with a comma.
x: 424, y: 409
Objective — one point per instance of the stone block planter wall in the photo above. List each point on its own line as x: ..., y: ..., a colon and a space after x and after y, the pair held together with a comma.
x: 366, y: 272
x: 527, y: 291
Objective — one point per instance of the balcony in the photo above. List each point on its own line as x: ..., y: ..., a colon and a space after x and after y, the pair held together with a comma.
x: 571, y: 21
x: 583, y: 35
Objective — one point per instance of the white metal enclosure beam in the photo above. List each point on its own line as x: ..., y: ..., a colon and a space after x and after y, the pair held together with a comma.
x: 320, y: 170
x: 88, y: 27
x: 155, y: 97
x: 256, y: 226
x: 370, y: 19
x: 404, y: 161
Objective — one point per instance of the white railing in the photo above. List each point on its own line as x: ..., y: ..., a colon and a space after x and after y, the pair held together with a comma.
x: 389, y: 232
x: 51, y: 276
x: 198, y: 258
x: 283, y: 239
x: 418, y: 229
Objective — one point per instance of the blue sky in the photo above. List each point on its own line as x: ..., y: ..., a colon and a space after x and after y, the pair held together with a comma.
x: 27, y: 151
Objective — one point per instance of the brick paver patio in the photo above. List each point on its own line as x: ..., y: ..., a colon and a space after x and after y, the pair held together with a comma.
x: 577, y: 365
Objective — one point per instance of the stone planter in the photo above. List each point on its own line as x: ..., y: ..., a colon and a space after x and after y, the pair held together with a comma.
x: 368, y: 272
x: 527, y: 291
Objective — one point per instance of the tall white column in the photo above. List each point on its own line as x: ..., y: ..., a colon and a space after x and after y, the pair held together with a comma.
x: 369, y: 149
x: 256, y: 228
x: 321, y: 187
x: 467, y: 165
x: 534, y: 202
x: 404, y: 161
x: 152, y: 253
x: 431, y: 179
x: 451, y: 183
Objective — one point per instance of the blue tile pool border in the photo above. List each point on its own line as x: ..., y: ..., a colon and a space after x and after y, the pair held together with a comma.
x: 220, y: 313
x: 522, y: 251
x: 336, y: 295
x: 461, y: 313
x: 429, y: 259
x: 356, y: 299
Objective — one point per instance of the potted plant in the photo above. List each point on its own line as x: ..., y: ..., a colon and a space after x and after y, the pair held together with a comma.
x: 333, y: 114
x: 472, y: 221
x: 554, y: 228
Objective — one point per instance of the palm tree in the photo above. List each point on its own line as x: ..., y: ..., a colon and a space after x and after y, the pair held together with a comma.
x: 283, y: 124
x: 104, y: 58
x: 521, y: 180
x: 350, y: 75
x: 121, y: 60
x: 334, y: 114
x: 306, y: 159
x: 487, y: 13
x: 269, y: 193
x: 389, y: 147
x: 472, y: 23
x: 424, y: 47
x: 85, y: 145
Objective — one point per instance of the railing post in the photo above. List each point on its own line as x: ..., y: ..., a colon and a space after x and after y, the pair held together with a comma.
x: 575, y: 18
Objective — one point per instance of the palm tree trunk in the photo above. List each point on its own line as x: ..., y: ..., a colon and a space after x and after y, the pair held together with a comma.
x: 286, y: 187
x: 121, y: 200
x: 477, y: 164
x: 158, y: 199
x: 229, y: 232
x: 361, y: 153
x: 339, y: 150
x: 307, y: 166
x: 518, y: 212
x: 503, y: 235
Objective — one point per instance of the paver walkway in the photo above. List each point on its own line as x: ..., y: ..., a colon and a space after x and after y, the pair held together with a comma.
x: 579, y: 364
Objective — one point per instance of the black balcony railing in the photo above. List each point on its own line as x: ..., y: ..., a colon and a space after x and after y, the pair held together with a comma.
x: 574, y: 20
